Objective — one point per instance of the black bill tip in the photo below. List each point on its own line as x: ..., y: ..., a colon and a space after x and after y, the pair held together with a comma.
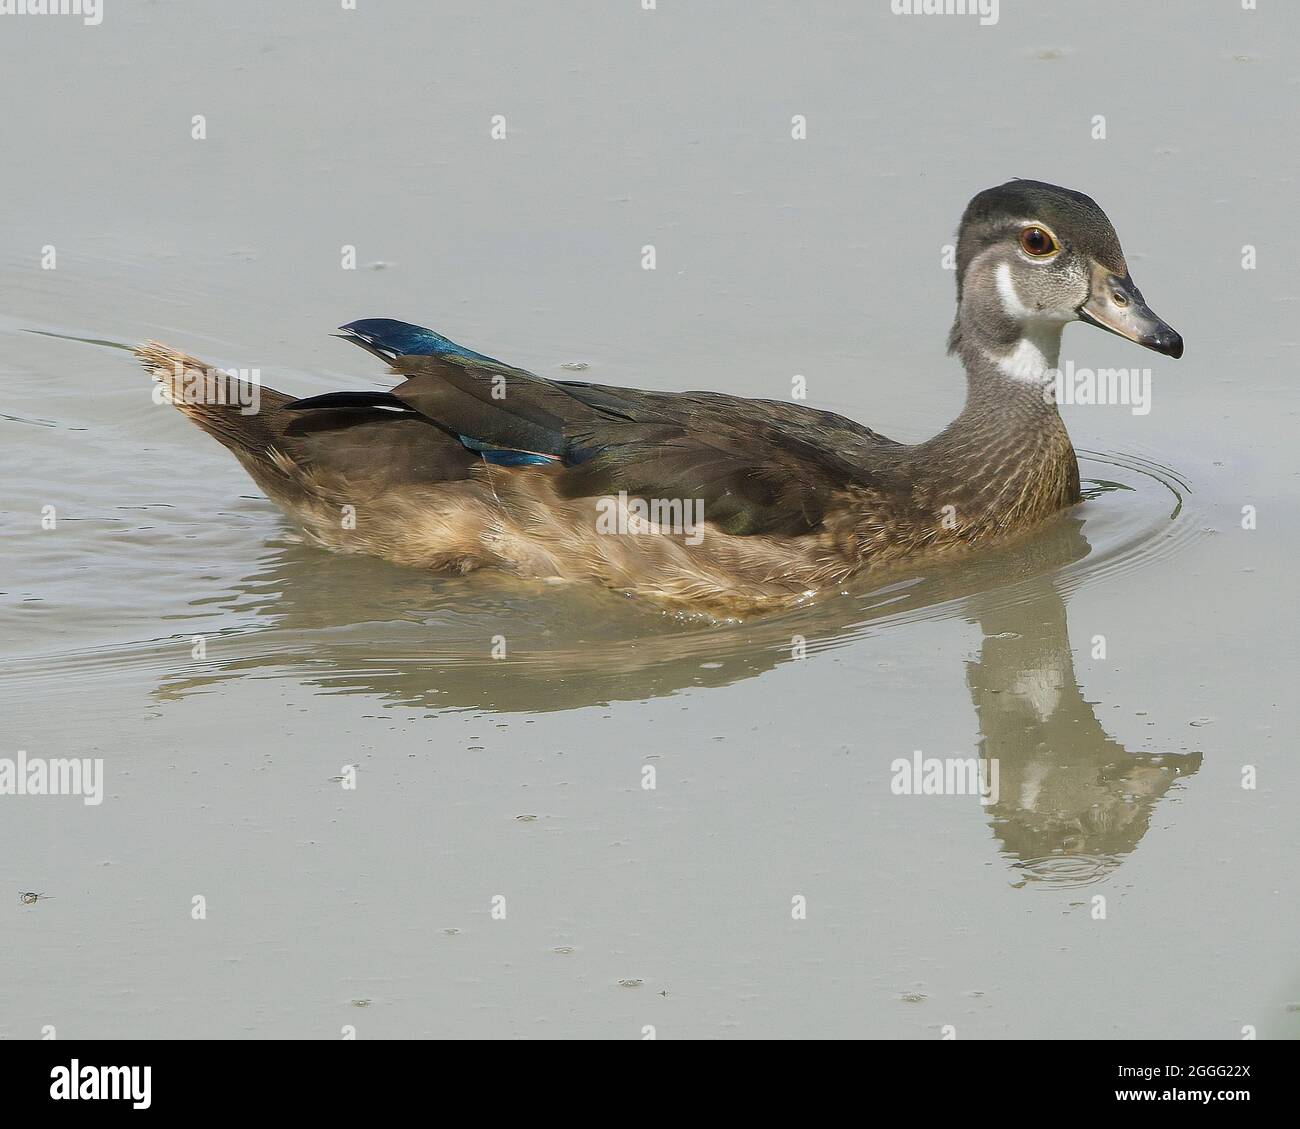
x: 1167, y: 341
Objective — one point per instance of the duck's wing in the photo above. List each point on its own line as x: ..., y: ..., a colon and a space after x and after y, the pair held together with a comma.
x: 389, y: 340
x: 749, y: 476
x: 797, y: 418
x: 753, y: 471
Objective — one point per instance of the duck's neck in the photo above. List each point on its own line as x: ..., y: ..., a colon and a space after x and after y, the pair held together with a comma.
x: 1007, y: 458
x: 1008, y: 380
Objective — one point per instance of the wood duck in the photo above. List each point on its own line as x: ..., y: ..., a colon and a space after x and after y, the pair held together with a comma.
x: 696, y: 497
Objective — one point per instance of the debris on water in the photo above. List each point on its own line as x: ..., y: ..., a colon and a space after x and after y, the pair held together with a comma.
x: 913, y: 997
x: 630, y: 983
x: 575, y: 366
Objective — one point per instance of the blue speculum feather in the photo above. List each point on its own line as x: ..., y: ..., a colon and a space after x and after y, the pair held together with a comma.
x: 502, y: 456
x: 405, y: 340
x: 516, y: 458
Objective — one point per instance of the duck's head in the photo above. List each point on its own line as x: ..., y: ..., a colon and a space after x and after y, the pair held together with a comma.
x: 1032, y: 257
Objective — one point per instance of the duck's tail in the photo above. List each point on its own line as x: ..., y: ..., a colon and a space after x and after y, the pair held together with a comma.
x: 231, y: 405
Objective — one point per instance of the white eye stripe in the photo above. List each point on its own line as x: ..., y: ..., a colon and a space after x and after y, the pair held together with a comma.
x: 1011, y: 303
x: 1014, y: 307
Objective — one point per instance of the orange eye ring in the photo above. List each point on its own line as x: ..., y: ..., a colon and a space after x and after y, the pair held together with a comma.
x: 1037, y: 242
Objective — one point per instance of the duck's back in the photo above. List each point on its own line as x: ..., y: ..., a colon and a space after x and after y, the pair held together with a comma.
x: 469, y: 462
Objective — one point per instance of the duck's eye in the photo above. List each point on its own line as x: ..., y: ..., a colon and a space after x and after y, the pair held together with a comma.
x: 1038, y: 243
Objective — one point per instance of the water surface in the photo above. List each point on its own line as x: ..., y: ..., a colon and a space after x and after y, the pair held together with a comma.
x: 1121, y: 763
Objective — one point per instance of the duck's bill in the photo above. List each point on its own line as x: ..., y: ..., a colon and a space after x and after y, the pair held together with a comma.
x: 1117, y: 305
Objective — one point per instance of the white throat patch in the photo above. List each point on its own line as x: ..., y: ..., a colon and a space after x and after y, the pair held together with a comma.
x: 1029, y: 361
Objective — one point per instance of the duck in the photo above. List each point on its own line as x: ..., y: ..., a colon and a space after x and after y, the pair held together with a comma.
x: 692, y: 498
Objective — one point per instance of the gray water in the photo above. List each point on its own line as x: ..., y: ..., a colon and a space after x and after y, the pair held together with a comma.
x: 520, y: 778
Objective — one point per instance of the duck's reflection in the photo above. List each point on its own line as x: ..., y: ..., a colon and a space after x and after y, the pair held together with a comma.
x: 1072, y: 801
